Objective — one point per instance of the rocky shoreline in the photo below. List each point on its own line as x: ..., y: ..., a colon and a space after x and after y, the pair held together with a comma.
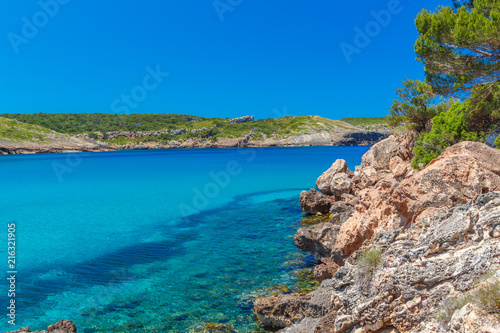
x: 403, y: 250
x: 86, y: 144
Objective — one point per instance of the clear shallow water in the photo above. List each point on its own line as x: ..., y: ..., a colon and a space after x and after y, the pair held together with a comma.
x: 155, y: 240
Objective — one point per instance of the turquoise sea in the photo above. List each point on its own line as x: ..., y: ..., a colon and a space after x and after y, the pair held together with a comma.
x: 157, y: 240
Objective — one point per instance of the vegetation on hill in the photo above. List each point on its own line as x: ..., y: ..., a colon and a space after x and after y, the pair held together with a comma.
x: 279, y: 128
x: 459, y: 48
x: 13, y: 130
x: 211, y: 128
x: 73, y: 123
x: 366, y: 121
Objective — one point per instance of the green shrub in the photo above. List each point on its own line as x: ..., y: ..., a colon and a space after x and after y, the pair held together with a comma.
x: 487, y: 296
x: 369, y: 261
x: 497, y: 142
x: 448, y: 129
x: 365, y: 121
x: 450, y: 306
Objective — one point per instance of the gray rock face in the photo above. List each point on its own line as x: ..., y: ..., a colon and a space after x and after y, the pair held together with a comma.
x: 315, y: 139
x: 287, y: 310
x: 470, y: 319
x: 361, y: 139
x: 318, y: 239
x: 434, y: 261
x: 313, y: 202
x: 240, y: 120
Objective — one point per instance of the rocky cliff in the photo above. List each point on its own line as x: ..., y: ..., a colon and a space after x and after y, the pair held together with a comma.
x: 322, y: 138
x: 404, y: 250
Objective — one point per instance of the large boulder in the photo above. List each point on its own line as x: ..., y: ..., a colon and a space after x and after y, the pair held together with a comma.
x: 313, y: 202
x: 380, y: 155
x: 324, y: 182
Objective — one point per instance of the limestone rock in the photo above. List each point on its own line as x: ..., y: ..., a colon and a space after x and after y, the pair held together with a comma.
x: 324, y: 181
x: 398, y: 166
x: 313, y: 202
x: 433, y: 261
x: 325, y: 270
x: 286, y: 310
x: 462, y: 173
x: 240, y: 120
x: 342, y: 210
x: 380, y: 155
x: 319, y: 240
x: 470, y: 319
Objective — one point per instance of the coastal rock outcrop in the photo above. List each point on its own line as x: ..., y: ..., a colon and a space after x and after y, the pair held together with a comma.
x: 63, y: 326
x: 429, y: 235
x: 421, y: 273
x: 336, y: 180
x: 389, y: 200
x: 313, y: 202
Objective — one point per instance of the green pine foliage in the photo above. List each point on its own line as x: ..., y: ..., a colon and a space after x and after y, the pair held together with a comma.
x: 416, y: 105
x: 459, y: 47
x: 448, y: 129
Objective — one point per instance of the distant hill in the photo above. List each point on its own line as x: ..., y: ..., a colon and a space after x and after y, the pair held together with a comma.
x: 17, y: 138
x: 16, y: 131
x: 158, y: 131
x: 74, y: 123
x: 77, y: 123
x: 365, y: 121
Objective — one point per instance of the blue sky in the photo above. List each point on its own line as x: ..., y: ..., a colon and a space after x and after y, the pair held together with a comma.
x: 224, y: 58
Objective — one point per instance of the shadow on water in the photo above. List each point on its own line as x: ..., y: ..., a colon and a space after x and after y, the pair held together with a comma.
x: 217, y: 226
